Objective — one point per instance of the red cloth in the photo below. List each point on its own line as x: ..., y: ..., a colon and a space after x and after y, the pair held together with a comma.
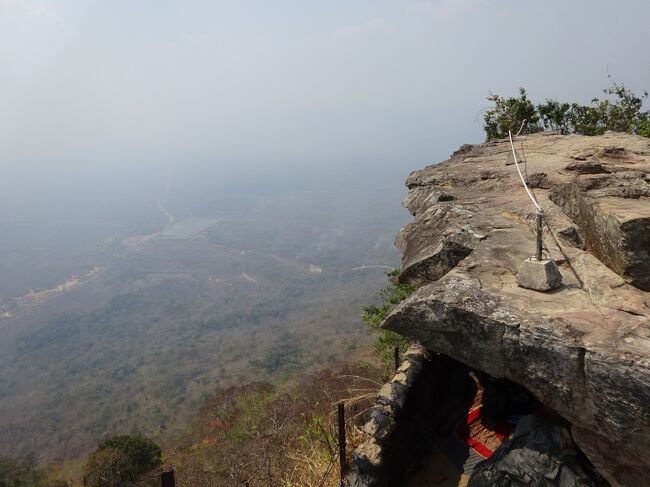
x: 463, y: 431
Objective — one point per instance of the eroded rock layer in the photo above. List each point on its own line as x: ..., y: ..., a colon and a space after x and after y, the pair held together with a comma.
x: 584, y: 349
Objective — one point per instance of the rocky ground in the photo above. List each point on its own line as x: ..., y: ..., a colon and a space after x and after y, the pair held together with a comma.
x: 583, y: 350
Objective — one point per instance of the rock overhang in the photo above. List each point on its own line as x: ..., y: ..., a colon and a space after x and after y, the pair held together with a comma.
x: 584, y: 349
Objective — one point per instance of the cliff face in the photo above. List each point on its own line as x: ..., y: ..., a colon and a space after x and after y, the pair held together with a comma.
x: 582, y: 350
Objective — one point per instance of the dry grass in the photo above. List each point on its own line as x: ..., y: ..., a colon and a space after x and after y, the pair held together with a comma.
x: 257, y: 436
x: 316, y: 466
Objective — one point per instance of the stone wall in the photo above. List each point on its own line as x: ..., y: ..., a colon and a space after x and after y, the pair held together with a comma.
x: 408, y: 416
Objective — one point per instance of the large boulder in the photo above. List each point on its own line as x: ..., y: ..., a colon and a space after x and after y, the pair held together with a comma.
x: 541, y: 453
x: 582, y: 349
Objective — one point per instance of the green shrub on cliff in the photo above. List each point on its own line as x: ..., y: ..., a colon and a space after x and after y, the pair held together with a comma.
x: 510, y: 114
x: 373, y: 315
x: 623, y: 113
x: 122, y: 461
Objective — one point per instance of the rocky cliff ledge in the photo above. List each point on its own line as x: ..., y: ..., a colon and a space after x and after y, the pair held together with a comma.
x: 582, y: 350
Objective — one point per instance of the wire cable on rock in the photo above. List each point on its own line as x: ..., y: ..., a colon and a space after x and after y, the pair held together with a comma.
x: 540, y: 212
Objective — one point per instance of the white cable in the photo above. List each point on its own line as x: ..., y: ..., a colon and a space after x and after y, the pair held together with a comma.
x: 521, y: 176
x: 539, y: 209
x: 522, y: 127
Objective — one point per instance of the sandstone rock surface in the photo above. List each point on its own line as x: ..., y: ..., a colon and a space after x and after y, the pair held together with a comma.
x: 582, y: 349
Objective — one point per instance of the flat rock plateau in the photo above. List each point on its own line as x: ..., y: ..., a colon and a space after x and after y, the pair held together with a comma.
x: 583, y: 350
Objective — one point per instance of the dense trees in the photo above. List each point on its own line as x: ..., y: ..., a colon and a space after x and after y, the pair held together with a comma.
x: 19, y: 472
x: 24, y: 472
x: 623, y: 113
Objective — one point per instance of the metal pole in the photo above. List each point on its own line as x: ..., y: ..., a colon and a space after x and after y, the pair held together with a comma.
x: 538, y: 244
x: 342, y: 458
x: 167, y: 479
x: 396, y: 358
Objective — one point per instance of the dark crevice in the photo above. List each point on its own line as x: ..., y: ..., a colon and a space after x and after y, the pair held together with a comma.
x: 438, y: 406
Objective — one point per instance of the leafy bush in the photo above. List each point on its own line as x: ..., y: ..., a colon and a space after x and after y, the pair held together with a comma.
x: 373, y: 315
x: 510, y: 114
x: 122, y: 460
x: 554, y: 116
x: 623, y: 114
x: 643, y: 128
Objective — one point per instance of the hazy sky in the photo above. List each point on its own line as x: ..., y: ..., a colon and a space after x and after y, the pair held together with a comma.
x: 249, y: 85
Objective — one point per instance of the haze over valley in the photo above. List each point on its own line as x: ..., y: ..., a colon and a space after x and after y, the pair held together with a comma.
x: 125, y: 321
x: 199, y: 202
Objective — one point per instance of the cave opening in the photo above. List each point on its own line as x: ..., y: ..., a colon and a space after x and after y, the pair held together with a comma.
x: 461, y: 427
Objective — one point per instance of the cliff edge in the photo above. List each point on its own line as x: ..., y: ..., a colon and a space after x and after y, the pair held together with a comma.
x: 583, y: 350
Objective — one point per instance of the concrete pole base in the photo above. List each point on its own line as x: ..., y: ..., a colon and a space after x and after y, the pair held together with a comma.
x: 539, y: 275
